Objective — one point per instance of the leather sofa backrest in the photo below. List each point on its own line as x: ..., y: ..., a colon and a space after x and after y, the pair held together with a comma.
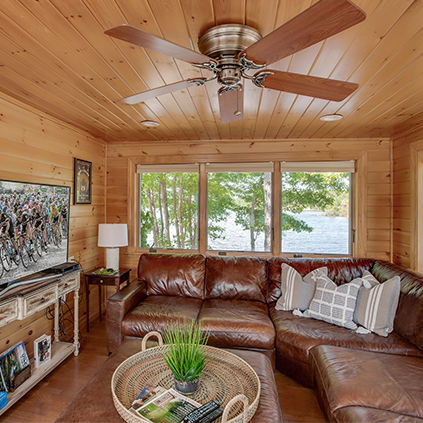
x: 236, y: 278
x: 409, y: 317
x: 179, y: 275
x: 340, y: 270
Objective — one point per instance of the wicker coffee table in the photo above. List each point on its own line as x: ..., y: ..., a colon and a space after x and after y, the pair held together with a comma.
x: 227, y: 378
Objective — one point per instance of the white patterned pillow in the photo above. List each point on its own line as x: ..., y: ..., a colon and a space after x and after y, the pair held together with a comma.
x: 297, y: 292
x: 377, y: 304
x: 332, y: 303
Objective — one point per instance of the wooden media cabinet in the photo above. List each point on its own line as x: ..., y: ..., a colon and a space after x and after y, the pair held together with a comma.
x: 24, y: 301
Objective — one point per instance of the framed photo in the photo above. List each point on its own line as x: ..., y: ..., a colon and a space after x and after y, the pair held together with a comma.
x: 42, y: 350
x: 83, y: 172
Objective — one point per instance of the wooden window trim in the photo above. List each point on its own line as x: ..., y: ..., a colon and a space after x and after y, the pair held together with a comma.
x: 359, y: 218
x: 416, y: 207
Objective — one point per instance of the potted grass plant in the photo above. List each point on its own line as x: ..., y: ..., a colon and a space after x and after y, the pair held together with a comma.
x: 186, y: 355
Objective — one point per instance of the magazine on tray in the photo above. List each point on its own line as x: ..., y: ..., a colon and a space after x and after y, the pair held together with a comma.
x: 169, y: 407
x: 145, y: 396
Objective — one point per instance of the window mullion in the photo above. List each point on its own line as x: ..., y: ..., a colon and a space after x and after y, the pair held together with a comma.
x: 202, y: 206
x: 277, y: 210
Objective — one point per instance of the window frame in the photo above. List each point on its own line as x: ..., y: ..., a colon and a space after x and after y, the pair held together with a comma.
x: 416, y: 208
x: 264, y: 167
x: 351, y: 230
x: 168, y: 169
x: 358, y: 193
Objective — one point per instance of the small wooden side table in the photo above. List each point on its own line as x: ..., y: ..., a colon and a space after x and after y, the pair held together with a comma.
x: 92, y: 279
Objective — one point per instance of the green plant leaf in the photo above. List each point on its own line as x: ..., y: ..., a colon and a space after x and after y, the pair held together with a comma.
x: 186, y: 356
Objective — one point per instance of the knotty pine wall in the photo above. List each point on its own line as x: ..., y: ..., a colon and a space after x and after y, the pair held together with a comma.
x: 373, y: 157
x: 408, y: 192
x: 36, y: 148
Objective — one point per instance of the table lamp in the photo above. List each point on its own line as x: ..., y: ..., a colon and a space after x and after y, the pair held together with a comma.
x: 112, y: 236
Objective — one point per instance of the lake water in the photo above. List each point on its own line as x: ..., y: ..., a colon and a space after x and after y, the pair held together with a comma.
x: 329, y: 236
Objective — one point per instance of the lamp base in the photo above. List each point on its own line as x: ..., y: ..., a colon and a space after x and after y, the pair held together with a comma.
x: 112, y: 258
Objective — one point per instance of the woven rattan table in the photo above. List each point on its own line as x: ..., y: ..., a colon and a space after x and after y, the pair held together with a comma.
x: 227, y: 378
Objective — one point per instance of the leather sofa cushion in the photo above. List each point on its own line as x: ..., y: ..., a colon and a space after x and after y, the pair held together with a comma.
x: 236, y: 278
x: 409, y: 317
x: 180, y: 275
x: 365, y: 414
x: 340, y: 270
x: 394, y: 383
x: 238, y: 324
x: 158, y: 312
x: 296, y: 335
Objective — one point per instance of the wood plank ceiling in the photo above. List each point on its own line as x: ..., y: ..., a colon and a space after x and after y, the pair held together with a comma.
x: 54, y: 56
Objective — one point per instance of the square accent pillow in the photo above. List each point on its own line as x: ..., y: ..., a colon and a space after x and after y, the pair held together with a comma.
x: 377, y: 304
x: 297, y: 292
x: 334, y: 304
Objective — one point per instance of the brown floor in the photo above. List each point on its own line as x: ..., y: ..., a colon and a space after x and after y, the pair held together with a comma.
x: 45, y: 402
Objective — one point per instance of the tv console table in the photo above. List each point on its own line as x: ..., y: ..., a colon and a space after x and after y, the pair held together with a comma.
x: 24, y: 301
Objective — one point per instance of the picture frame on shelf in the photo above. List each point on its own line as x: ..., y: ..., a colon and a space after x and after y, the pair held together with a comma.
x: 83, y: 182
x: 42, y: 350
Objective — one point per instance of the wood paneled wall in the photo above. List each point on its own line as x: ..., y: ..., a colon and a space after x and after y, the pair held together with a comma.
x: 408, y: 186
x: 373, y: 214
x: 36, y: 148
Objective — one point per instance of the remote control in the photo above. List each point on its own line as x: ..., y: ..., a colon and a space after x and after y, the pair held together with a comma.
x: 212, y: 416
x: 196, y: 415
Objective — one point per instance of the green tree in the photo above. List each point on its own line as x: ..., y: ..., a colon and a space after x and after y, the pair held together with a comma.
x: 219, y: 202
x: 169, y: 210
x: 249, y: 206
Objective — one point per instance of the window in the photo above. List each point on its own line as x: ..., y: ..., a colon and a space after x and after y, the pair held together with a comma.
x: 239, y: 207
x: 236, y: 201
x: 316, y: 207
x: 168, y: 204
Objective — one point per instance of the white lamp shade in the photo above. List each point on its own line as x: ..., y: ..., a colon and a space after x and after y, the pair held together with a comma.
x: 112, y: 235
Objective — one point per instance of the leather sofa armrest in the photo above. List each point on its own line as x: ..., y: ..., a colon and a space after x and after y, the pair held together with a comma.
x: 118, y: 306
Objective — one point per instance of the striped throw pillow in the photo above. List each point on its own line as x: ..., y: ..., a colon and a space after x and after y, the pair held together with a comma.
x: 377, y: 304
x: 334, y: 304
x: 297, y: 292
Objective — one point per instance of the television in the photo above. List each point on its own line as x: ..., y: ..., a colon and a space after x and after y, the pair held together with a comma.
x: 34, y: 228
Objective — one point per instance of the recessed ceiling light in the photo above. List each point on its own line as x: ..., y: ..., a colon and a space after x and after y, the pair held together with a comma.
x: 150, y: 123
x: 331, y: 118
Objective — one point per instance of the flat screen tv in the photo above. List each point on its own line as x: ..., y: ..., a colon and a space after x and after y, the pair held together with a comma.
x: 34, y: 229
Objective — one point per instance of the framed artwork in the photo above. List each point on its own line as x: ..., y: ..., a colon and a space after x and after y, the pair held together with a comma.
x: 82, y: 189
x: 42, y: 350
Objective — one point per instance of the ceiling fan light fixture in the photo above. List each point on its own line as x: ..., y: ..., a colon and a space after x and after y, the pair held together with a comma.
x: 331, y: 118
x: 150, y: 123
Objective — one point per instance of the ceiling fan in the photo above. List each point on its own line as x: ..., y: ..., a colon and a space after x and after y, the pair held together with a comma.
x: 229, y: 51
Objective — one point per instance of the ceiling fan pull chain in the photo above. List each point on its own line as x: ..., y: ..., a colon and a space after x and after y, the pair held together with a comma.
x: 260, y: 78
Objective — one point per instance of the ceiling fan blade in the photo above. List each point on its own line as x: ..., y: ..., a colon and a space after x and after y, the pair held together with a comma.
x: 231, y: 104
x: 318, y: 22
x: 144, y: 39
x: 312, y: 86
x: 165, y: 89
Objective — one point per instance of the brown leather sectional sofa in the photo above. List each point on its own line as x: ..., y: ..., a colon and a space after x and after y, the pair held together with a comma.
x: 235, y: 297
